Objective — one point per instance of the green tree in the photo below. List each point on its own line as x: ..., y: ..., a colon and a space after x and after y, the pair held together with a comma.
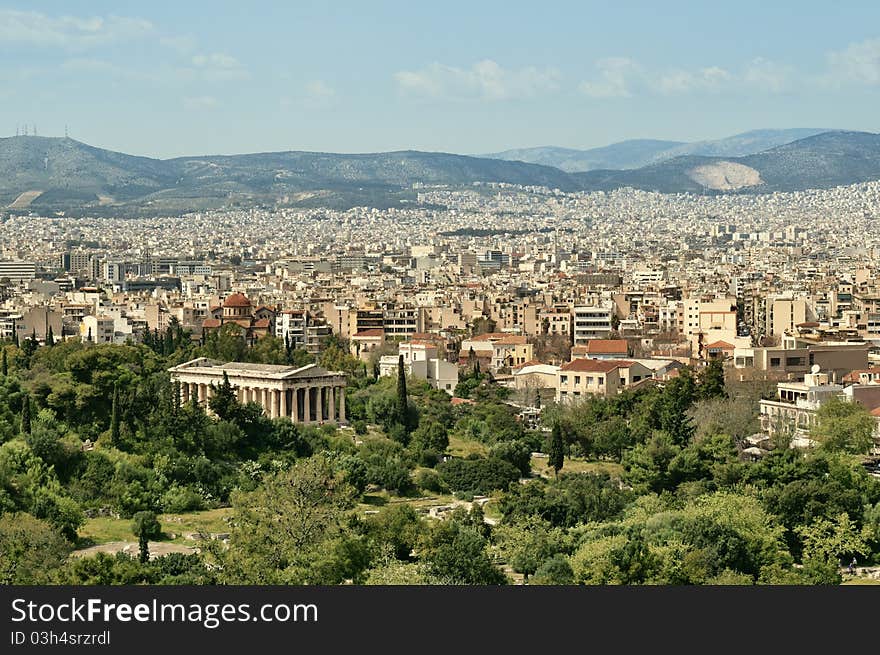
x: 844, y: 427
x: 224, y: 400
x: 456, y: 554
x: 4, y: 365
x: 145, y: 526
x: 115, y: 417
x: 50, y: 337
x: 556, y: 454
x: 25, y: 414
x: 402, y: 398
x: 712, y: 380
x: 29, y: 550
x: 280, y: 528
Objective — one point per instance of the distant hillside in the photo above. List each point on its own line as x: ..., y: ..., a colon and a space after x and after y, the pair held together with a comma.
x: 637, y: 153
x: 44, y: 174
x: 60, y: 174
x: 821, y: 161
x: 625, y: 154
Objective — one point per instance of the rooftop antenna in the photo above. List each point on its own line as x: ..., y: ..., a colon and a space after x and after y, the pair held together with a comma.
x: 17, y: 130
x: 66, y: 135
x: 35, y: 129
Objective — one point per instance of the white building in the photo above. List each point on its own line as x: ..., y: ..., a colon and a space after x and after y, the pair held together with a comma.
x: 592, y: 322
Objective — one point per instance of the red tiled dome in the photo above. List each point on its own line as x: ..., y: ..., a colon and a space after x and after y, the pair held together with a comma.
x: 237, y: 300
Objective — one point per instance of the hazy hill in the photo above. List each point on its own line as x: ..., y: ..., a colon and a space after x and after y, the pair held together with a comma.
x: 625, y: 154
x: 61, y: 174
x: 46, y: 174
x: 821, y: 161
x: 637, y: 153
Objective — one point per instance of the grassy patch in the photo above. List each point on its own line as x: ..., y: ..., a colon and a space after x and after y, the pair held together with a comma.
x: 104, y: 529
x: 542, y: 468
x: 459, y: 447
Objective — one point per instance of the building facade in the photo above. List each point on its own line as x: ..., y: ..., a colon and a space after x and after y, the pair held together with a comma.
x: 308, y: 394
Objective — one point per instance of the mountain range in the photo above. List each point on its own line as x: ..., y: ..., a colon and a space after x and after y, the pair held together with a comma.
x: 53, y: 174
x: 636, y: 153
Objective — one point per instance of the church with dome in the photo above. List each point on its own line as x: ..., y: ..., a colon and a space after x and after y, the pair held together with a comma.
x: 237, y: 308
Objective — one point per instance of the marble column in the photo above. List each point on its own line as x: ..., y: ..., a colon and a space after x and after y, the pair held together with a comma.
x: 273, y: 403
x: 203, y: 394
x: 283, y: 394
x: 264, y: 394
x: 294, y: 415
x: 307, y: 401
x: 342, y: 404
x: 332, y: 403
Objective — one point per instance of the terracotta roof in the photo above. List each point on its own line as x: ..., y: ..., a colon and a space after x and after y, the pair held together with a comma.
x: 606, y: 346
x: 461, y: 401
x: 211, y: 323
x: 237, y: 300
x: 853, y: 376
x: 594, y: 365
x: 374, y: 332
x: 262, y: 323
x: 721, y: 344
x: 875, y: 411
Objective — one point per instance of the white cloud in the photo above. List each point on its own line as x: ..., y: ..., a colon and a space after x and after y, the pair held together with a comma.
x: 616, y: 78
x: 712, y: 78
x: 215, y: 66
x: 200, y: 103
x: 319, y: 90
x: 183, y: 45
x: 859, y: 62
x: 33, y: 28
x: 485, y: 80
x: 767, y: 75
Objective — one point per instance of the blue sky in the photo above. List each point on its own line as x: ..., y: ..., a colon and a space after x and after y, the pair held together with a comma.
x: 172, y: 78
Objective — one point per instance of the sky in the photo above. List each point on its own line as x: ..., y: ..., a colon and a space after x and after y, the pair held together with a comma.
x: 165, y: 79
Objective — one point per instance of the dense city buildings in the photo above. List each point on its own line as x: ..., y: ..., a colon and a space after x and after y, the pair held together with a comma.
x: 576, y: 290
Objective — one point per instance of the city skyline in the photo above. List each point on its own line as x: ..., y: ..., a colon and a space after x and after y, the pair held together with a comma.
x: 168, y: 81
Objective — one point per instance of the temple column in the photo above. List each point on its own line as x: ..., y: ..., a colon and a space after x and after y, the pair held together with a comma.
x: 283, y: 394
x: 332, y: 403
x: 295, y: 412
x: 264, y: 395
x: 307, y: 401
x: 342, y: 404
x: 203, y: 394
x: 273, y: 403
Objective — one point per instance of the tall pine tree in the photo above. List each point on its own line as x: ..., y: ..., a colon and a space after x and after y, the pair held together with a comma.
x: 50, y: 337
x: 402, y: 401
x: 26, y: 414
x: 115, y: 417
x: 557, y: 448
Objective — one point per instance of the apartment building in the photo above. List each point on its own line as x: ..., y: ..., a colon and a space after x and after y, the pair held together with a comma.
x: 591, y: 322
x: 584, y: 377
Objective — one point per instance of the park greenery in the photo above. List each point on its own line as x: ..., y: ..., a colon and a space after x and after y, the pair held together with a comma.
x: 646, y: 487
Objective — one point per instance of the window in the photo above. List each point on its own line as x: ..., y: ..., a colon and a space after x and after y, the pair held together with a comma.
x: 563, y: 379
x: 590, y: 379
x: 600, y: 380
x: 577, y: 379
x: 774, y: 361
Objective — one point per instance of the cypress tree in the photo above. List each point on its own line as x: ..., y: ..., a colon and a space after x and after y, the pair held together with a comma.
x: 26, y: 414
x: 169, y: 340
x: 557, y: 448
x: 3, y: 364
x: 34, y: 336
x: 50, y: 337
x: 114, y: 416
x: 402, y: 404
x: 15, y: 337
